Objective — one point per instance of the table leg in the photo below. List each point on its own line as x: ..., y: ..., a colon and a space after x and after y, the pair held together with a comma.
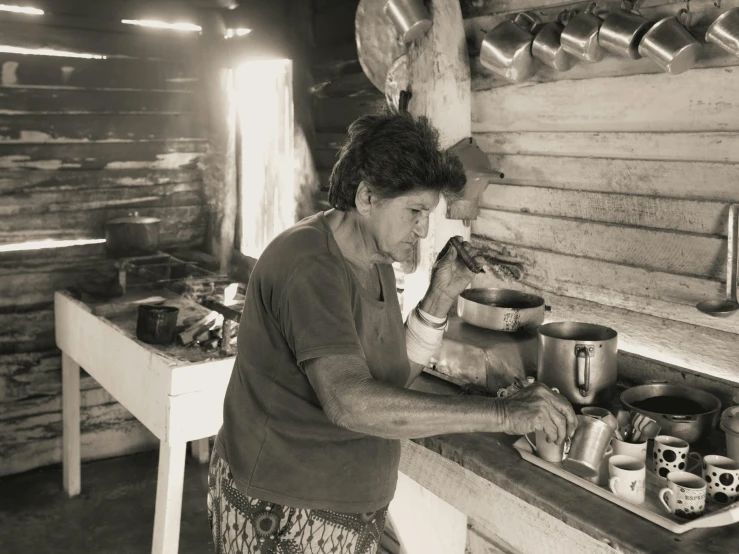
x: 201, y: 450
x: 170, y: 481
x: 71, y: 426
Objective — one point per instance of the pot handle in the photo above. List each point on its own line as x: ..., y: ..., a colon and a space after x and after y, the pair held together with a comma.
x: 583, y: 369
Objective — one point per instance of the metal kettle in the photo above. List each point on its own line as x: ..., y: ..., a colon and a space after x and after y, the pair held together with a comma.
x: 579, y: 359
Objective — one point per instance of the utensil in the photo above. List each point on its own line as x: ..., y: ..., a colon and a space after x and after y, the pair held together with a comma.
x: 157, y: 324
x: 579, y: 359
x: 724, y: 31
x: 506, y: 48
x: 378, y: 43
x: 500, y: 309
x: 670, y: 45
x: 588, y: 446
x: 580, y: 36
x: 663, y: 398
x: 724, y: 307
x: 547, y: 47
x: 410, y: 18
x: 132, y: 235
x: 685, y: 495
x: 622, y: 31
x: 644, y: 427
x: 468, y: 260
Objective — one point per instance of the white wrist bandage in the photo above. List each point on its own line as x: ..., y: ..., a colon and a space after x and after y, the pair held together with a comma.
x: 421, y: 339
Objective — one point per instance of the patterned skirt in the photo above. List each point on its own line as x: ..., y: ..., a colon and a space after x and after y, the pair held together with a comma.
x: 244, y: 525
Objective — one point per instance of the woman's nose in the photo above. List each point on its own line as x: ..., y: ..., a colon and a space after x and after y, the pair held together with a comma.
x: 422, y: 228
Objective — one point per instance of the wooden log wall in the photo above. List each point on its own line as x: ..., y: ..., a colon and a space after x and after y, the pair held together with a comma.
x: 618, y: 181
x: 81, y: 141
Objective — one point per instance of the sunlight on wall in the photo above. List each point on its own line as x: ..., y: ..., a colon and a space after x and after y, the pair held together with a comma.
x: 7, y: 49
x: 263, y: 97
x: 45, y: 244
x: 240, y: 32
x: 156, y: 24
x: 21, y: 9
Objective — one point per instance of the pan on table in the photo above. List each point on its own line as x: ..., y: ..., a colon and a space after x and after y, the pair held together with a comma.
x: 501, y: 309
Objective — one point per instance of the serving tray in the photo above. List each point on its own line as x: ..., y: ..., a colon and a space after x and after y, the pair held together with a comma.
x: 716, y: 515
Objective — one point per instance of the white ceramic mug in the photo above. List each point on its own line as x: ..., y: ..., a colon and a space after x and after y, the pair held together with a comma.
x: 673, y: 454
x: 636, y: 450
x: 722, y: 476
x: 684, y: 495
x: 549, y: 451
x: 628, y: 478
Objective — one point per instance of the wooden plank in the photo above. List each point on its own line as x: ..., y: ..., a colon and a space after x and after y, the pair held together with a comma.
x: 115, y: 154
x: 678, y: 179
x: 693, y: 216
x: 336, y: 114
x: 621, y: 286
x: 111, y: 73
x: 351, y: 84
x: 667, y: 251
x: 18, y: 100
x: 170, y: 485
x: 705, y: 147
x: 332, y: 61
x: 700, y: 100
x: 335, y: 26
x: 136, y: 43
x: 39, y: 181
x: 610, y: 66
x: 34, y: 128
x: 26, y: 331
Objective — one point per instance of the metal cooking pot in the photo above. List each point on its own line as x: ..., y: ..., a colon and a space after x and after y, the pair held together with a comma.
x: 132, y: 235
x: 579, y: 359
x: 500, y: 309
x: 689, y: 427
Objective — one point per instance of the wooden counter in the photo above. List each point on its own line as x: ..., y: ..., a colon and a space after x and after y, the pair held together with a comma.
x: 531, y: 510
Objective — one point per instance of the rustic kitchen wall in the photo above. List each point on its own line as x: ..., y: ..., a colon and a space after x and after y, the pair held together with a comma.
x: 618, y: 180
x: 83, y: 140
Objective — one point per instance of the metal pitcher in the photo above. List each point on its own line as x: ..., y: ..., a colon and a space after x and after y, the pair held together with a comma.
x: 547, y: 47
x: 506, y: 49
x: 622, y: 31
x: 580, y: 36
x: 724, y: 31
x: 588, y: 448
x: 579, y: 359
x: 670, y: 45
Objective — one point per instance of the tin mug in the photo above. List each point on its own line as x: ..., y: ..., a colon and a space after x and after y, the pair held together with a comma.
x: 622, y: 31
x: 670, y: 45
x: 580, y: 36
x: 588, y: 448
x: 506, y: 49
x: 547, y: 47
x: 724, y: 31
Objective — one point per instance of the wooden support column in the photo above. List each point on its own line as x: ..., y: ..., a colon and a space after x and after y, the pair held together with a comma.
x: 71, y: 426
x: 439, y: 76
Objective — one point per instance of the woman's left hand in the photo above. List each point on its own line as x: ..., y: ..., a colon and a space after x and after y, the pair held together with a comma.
x: 450, y: 275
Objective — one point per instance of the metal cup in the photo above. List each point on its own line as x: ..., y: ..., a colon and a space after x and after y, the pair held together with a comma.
x: 622, y: 32
x: 410, y: 18
x: 580, y: 36
x: 547, y: 47
x: 724, y: 31
x: 589, y: 444
x: 670, y: 45
x: 506, y: 49
x: 157, y: 324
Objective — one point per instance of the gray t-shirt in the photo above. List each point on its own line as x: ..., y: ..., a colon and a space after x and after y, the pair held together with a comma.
x: 303, y: 302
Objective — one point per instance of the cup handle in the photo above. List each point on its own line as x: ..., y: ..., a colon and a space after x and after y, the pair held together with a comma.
x: 685, y: 18
x: 662, y: 494
x: 531, y: 22
x: 612, y: 485
x: 533, y: 446
x: 696, y: 458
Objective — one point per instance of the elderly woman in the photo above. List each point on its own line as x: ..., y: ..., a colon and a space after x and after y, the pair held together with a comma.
x: 307, y: 458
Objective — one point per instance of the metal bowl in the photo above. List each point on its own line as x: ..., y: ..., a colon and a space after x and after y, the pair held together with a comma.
x: 500, y: 309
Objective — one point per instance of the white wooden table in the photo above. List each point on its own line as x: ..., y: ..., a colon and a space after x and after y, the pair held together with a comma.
x: 176, y: 392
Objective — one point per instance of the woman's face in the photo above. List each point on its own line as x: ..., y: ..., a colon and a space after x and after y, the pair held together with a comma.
x: 398, y: 223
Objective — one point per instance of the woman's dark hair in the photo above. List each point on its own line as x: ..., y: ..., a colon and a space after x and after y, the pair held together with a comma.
x: 394, y: 153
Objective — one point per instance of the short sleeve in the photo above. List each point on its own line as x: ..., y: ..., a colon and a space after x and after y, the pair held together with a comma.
x: 316, y: 314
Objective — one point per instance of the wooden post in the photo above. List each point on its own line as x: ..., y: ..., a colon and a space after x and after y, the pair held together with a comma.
x: 439, y: 76
x: 168, y: 511
x: 71, y: 426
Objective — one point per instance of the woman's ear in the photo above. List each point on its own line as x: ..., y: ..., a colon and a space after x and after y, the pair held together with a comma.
x: 364, y: 198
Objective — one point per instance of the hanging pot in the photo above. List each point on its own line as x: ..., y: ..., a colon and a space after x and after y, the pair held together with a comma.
x: 132, y: 235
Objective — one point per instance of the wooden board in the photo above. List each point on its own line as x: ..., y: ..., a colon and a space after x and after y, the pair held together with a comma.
x: 336, y: 114
x: 26, y: 331
x: 676, y: 146
x: 666, y: 251
x: 700, y: 100
x: 715, y: 515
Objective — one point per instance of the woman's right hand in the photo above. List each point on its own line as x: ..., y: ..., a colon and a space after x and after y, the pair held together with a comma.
x: 538, y: 408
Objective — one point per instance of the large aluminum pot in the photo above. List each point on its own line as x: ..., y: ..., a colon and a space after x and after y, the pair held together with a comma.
x: 688, y: 426
x: 132, y: 235
x: 579, y: 359
x: 500, y: 309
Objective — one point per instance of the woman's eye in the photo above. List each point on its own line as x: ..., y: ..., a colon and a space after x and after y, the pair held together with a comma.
x: 415, y: 212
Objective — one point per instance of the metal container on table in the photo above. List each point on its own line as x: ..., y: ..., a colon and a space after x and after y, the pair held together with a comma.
x: 579, y: 359
x: 588, y: 446
x: 500, y: 309
x: 132, y: 235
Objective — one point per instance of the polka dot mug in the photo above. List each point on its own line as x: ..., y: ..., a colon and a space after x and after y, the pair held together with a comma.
x: 673, y: 454
x: 722, y: 475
